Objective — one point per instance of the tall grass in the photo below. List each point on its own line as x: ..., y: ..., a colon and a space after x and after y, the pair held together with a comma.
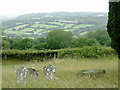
x: 66, y: 70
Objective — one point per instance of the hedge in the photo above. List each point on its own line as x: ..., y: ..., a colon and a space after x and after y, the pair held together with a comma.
x: 86, y: 52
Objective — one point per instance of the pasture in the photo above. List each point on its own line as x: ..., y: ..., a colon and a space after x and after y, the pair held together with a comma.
x: 66, y: 70
x: 83, y: 26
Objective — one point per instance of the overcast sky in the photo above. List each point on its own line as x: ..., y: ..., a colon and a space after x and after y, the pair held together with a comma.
x: 18, y: 7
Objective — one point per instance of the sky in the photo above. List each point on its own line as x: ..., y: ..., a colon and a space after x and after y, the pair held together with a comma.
x: 19, y: 7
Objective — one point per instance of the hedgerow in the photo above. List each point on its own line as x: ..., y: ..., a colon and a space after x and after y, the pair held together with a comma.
x: 86, y: 52
x: 29, y: 54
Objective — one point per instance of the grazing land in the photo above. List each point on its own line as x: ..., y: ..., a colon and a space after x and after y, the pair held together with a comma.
x: 66, y: 70
x: 39, y: 24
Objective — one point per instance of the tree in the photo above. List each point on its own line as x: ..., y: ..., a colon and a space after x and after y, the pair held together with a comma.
x: 113, y: 25
x: 41, y: 46
x: 2, y: 31
x: 58, y: 39
x: 93, y: 42
x: 5, y: 45
x: 16, y: 43
x: 84, y: 41
x: 39, y: 40
x: 22, y: 44
x: 101, y: 36
x: 81, y: 42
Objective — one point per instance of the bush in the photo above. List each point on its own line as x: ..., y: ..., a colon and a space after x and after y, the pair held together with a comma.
x: 28, y: 54
x: 87, y: 52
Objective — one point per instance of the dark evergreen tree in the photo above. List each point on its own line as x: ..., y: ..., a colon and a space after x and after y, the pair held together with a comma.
x: 113, y: 25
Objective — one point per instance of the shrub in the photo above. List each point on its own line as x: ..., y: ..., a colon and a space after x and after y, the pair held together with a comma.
x: 87, y: 52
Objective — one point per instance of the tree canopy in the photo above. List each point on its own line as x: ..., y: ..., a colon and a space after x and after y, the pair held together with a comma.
x: 101, y: 36
x: 57, y: 39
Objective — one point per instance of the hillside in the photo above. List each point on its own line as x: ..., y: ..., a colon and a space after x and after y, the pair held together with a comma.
x: 39, y: 24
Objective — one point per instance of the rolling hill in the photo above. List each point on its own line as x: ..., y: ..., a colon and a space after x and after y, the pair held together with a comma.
x: 39, y: 24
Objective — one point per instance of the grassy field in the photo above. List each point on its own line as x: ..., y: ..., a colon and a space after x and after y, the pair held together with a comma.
x: 44, y: 26
x: 83, y: 26
x: 68, y: 26
x: 64, y: 77
x: 56, y: 23
x: 20, y: 26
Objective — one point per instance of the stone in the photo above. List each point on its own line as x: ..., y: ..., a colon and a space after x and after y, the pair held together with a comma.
x: 49, y: 71
x: 33, y: 72
x: 91, y: 73
x: 21, y: 75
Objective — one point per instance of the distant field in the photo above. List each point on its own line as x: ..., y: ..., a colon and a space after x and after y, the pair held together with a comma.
x: 20, y: 26
x: 23, y: 31
x: 64, y: 78
x: 28, y: 29
x: 19, y: 23
x: 69, y: 30
x: 44, y: 26
x: 56, y: 23
x: 35, y: 18
x: 83, y: 33
x: 67, y: 21
x: 68, y: 26
x: 83, y: 26
x: 11, y: 32
x: 39, y: 30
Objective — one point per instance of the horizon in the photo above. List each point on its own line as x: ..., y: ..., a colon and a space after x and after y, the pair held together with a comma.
x: 7, y: 17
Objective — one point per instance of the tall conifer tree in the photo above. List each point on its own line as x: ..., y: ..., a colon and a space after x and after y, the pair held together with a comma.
x: 113, y: 25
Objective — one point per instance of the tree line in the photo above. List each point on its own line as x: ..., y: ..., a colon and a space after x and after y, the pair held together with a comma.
x: 57, y: 39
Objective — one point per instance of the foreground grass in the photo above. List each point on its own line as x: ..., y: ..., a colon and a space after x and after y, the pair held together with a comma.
x: 65, y: 79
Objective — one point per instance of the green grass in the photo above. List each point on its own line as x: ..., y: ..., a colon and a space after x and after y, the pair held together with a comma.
x: 35, y: 25
x: 28, y: 33
x: 61, y: 24
x: 36, y: 22
x: 35, y: 18
x: 19, y: 23
x: 23, y: 31
x: 11, y: 32
x: 39, y: 30
x: 83, y: 26
x: 44, y: 26
x: 68, y: 29
x: 64, y: 79
x: 20, y: 26
x: 46, y: 31
x: 28, y: 29
x: 68, y: 26
x: 83, y: 33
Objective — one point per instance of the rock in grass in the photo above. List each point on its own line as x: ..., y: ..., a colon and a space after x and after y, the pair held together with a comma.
x: 91, y: 73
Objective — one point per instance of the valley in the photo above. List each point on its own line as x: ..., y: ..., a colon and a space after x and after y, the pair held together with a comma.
x: 39, y: 24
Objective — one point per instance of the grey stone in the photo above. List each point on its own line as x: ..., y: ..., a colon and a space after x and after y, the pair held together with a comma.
x: 49, y: 71
x: 91, y: 73
x: 21, y: 75
x: 33, y: 72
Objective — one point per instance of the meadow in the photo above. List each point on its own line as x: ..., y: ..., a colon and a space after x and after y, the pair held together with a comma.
x: 66, y: 70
